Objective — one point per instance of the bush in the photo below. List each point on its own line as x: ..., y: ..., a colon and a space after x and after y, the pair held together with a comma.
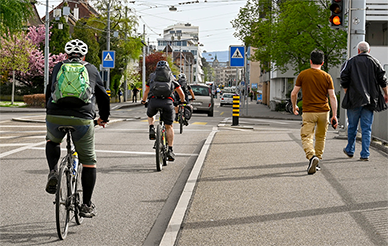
x: 35, y: 100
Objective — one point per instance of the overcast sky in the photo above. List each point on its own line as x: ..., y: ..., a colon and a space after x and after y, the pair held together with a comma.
x: 212, y: 16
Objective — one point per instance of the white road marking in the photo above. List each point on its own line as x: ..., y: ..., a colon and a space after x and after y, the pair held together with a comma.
x: 30, y: 146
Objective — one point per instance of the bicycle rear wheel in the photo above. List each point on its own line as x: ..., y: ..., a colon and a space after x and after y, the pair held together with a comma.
x: 159, y: 148
x: 62, y: 212
x: 164, y: 146
x: 78, y: 196
x: 180, y: 117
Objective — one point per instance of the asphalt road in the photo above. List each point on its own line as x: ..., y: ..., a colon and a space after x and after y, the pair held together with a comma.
x: 134, y: 201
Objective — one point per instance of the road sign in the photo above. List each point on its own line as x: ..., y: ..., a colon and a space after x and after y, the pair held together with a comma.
x: 108, y: 59
x: 237, y: 56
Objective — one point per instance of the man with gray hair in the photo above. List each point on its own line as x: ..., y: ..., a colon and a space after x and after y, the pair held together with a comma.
x: 361, y: 78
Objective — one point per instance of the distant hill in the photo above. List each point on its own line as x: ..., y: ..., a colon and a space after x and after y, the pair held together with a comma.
x: 222, y: 56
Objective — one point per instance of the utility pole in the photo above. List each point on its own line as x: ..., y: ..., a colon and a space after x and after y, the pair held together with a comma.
x: 108, y: 46
x: 46, y: 48
x: 144, y: 61
x: 356, y: 34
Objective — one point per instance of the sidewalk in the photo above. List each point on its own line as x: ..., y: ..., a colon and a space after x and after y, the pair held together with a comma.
x: 253, y: 189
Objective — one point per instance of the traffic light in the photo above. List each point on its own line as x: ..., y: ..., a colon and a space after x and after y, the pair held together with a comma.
x: 337, y: 9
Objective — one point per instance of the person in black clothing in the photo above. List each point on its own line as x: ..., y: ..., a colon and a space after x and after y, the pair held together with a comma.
x: 81, y: 117
x: 165, y: 103
x: 186, y: 88
x: 361, y: 78
x: 134, y: 92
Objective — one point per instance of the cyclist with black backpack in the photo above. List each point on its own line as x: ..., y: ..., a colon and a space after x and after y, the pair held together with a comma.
x: 159, y: 90
x: 186, y: 88
x: 71, y: 95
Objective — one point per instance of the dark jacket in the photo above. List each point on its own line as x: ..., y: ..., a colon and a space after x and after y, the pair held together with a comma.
x: 86, y: 111
x: 360, y: 76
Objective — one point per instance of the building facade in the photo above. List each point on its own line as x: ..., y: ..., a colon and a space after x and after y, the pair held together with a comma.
x: 183, y: 38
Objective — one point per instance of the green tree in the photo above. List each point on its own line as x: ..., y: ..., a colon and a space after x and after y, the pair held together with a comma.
x: 59, y: 37
x: 13, y: 15
x: 286, y: 33
x: 87, y: 30
x: 127, y: 47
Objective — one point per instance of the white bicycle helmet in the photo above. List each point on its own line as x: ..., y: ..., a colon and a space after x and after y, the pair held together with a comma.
x: 76, y: 46
x: 182, y: 76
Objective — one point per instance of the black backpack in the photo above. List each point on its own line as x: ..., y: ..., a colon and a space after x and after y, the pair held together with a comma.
x: 161, y: 89
x: 183, y: 84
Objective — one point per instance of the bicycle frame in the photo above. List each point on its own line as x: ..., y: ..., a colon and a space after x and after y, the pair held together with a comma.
x: 68, y: 197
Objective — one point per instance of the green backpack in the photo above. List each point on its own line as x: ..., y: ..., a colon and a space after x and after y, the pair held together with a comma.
x: 72, y: 84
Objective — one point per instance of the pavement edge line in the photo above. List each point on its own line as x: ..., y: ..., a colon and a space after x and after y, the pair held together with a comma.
x: 176, y: 220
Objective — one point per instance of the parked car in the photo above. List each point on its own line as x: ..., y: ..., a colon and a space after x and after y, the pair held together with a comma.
x: 203, y: 102
x: 226, y: 99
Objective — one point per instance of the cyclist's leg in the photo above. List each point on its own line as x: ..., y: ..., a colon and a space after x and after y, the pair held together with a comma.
x: 168, y: 115
x: 152, y: 110
x: 53, y: 151
x: 83, y: 139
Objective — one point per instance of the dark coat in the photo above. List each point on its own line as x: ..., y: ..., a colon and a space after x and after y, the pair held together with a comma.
x: 360, y: 76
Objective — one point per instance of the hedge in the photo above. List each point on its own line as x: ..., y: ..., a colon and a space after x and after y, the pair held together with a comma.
x: 35, y: 100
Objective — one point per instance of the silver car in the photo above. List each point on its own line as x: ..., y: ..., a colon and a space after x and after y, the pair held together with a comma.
x: 203, y: 102
x: 226, y: 99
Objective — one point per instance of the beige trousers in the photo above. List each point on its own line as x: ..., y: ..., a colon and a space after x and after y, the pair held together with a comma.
x: 319, y: 122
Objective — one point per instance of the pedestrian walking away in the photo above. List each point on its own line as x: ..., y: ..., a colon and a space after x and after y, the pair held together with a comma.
x: 134, y: 96
x: 316, y: 85
x: 75, y: 106
x: 362, y: 76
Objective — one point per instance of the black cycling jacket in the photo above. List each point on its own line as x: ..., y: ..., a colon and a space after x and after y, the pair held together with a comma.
x: 87, y: 111
x: 359, y: 76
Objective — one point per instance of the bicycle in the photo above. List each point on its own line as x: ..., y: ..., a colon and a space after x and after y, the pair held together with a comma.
x: 68, y: 198
x: 182, y: 117
x: 161, y: 143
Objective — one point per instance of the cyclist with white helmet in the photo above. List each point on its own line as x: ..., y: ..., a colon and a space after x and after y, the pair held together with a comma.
x: 186, y: 88
x: 78, y: 111
x: 162, y: 73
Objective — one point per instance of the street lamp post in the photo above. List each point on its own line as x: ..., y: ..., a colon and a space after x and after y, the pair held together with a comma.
x: 108, y: 46
x: 46, y: 48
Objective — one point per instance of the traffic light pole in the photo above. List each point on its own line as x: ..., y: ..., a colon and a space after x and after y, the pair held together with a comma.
x: 356, y: 24
x: 356, y: 34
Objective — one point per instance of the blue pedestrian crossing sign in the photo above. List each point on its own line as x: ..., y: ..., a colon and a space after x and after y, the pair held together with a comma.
x: 237, y: 56
x: 108, y: 59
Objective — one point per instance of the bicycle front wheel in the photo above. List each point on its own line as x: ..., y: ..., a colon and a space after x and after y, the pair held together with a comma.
x: 159, y: 148
x: 78, y: 196
x: 62, y: 212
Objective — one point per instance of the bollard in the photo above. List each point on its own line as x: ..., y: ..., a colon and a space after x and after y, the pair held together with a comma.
x: 236, y: 109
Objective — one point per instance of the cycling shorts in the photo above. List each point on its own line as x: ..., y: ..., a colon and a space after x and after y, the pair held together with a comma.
x: 83, y: 136
x: 168, y: 109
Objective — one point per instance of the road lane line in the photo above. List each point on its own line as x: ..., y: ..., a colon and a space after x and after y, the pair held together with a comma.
x: 176, y: 220
x: 125, y: 152
x: 21, y: 149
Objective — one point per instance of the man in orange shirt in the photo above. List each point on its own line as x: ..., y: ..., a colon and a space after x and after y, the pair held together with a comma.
x: 316, y: 85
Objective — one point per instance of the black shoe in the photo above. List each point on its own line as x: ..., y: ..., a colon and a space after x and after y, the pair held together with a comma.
x: 88, y: 211
x: 313, y: 163
x: 364, y: 158
x: 170, y: 155
x: 51, y: 186
x: 152, y: 133
x: 346, y: 153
